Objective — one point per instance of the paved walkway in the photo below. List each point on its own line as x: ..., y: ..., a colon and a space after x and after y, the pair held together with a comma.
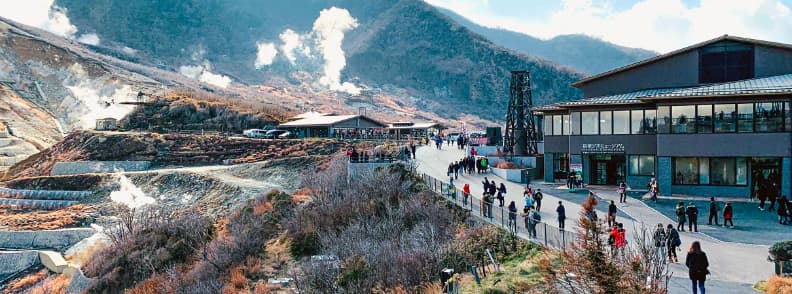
x: 733, y: 265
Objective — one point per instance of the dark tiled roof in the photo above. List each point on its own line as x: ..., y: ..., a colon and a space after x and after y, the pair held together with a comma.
x: 680, y: 51
x: 762, y: 86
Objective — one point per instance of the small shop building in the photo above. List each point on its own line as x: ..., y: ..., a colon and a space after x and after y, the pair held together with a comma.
x: 711, y: 119
x: 329, y: 126
x: 413, y: 129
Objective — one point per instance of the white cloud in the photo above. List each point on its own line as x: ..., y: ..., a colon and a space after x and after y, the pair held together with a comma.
x: 90, y: 39
x: 41, y: 14
x: 266, y: 54
x: 661, y: 25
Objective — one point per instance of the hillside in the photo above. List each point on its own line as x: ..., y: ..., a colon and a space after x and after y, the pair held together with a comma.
x: 581, y: 52
x: 407, y: 45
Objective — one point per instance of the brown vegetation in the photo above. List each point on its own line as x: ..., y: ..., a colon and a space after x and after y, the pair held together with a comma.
x: 72, y: 216
x: 778, y: 285
x: 54, y: 285
x: 25, y: 282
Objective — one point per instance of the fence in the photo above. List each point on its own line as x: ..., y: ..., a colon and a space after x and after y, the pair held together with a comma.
x: 546, y: 234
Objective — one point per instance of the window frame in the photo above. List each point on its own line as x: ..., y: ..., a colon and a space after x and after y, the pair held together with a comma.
x: 708, y: 166
x: 639, y: 156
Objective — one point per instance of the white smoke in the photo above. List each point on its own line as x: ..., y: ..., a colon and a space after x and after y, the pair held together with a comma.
x: 130, y: 195
x: 266, y: 54
x: 41, y: 14
x: 330, y: 28
x: 90, y: 39
x: 202, y: 73
x: 327, y: 35
x: 96, y: 105
x: 291, y: 41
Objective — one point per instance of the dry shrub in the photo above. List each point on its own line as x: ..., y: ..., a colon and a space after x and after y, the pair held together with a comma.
x: 72, y: 216
x: 779, y: 285
x: 157, y: 284
x: 84, y: 256
x: 25, y: 282
x: 56, y: 285
x: 236, y: 278
x: 262, y: 287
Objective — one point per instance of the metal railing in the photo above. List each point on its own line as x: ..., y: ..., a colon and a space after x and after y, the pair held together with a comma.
x: 546, y: 234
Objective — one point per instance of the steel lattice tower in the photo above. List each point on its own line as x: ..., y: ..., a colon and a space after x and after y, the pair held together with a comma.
x: 520, y: 138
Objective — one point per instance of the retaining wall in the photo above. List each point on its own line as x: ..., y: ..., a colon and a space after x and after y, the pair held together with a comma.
x: 57, y: 240
x: 13, y: 262
x: 92, y: 167
x: 43, y: 194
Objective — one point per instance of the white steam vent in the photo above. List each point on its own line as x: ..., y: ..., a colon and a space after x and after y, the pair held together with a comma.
x: 130, y: 195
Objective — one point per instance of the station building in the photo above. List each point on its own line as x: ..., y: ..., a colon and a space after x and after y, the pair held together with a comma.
x: 711, y: 119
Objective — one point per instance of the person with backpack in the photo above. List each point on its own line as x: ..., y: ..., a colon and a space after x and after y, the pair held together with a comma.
x: 728, y: 215
x: 659, y: 239
x: 501, y: 193
x: 561, y: 211
x: 692, y: 214
x: 612, y: 213
x: 713, y: 212
x: 533, y: 219
x: 680, y: 213
x: 537, y: 199
x: 697, y: 264
x: 612, y: 239
x: 512, y: 217
x: 673, y: 242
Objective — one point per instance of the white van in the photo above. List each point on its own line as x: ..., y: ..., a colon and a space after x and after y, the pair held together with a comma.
x: 254, y: 133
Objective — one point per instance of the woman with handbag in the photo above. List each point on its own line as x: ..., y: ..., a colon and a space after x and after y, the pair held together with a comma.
x: 697, y: 264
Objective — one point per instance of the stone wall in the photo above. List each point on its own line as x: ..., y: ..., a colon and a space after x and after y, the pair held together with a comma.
x: 89, y: 167
x: 57, y: 240
x: 12, y: 262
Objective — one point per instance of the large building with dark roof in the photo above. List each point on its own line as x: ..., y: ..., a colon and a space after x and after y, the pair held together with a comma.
x: 711, y: 119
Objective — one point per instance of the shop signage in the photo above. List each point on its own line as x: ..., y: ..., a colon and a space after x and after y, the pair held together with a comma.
x: 576, y: 167
x: 602, y: 148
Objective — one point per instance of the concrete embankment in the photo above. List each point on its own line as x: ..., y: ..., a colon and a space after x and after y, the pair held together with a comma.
x: 57, y: 240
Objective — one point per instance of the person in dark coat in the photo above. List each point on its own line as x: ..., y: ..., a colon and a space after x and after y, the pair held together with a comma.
x: 680, y: 213
x: 783, y: 214
x: 692, y: 214
x: 561, y: 215
x: 697, y: 263
x: 672, y: 242
x: 728, y: 215
x: 486, y: 184
x: 713, y: 211
x: 612, y: 214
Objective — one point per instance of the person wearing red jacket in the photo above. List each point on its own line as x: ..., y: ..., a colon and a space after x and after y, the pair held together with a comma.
x: 466, y: 193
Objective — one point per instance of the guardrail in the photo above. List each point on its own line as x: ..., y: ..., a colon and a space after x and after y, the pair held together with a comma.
x: 546, y: 234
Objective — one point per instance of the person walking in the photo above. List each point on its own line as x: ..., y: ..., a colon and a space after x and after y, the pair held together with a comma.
x: 486, y: 184
x: 728, y: 215
x: 697, y: 264
x: 680, y: 213
x: 465, y: 194
x: 621, y: 238
x: 783, y: 214
x: 692, y: 214
x: 659, y: 239
x: 490, y: 202
x: 762, y: 194
x: 501, y: 193
x: 612, y: 213
x: 713, y: 212
x: 412, y: 148
x: 622, y: 192
x: 451, y: 171
x: 561, y: 211
x: 672, y: 242
x: 533, y: 219
x: 456, y: 170
x: 512, y: 217
x: 537, y: 199
x: 484, y: 164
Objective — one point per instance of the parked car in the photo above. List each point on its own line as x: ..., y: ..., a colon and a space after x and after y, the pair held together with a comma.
x: 288, y: 135
x: 272, y: 134
x: 254, y: 133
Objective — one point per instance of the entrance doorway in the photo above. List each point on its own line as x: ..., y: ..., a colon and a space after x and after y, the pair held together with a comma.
x: 765, y: 175
x: 606, y: 169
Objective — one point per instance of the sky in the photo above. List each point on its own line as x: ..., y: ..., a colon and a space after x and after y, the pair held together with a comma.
x: 658, y: 25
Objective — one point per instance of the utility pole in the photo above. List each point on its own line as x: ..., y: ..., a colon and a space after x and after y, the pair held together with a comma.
x: 520, y: 124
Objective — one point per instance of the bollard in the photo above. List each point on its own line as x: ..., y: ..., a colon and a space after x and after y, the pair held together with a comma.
x: 545, y: 234
x: 502, y: 224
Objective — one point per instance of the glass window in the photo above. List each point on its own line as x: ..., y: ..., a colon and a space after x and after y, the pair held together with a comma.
x: 704, y: 118
x: 548, y: 125
x: 724, y: 118
x: 663, y: 119
x: 605, y: 122
x: 621, y: 122
x: 590, y: 123
x: 723, y: 171
x: 769, y: 117
x: 704, y: 178
x: 557, y: 125
x: 742, y: 171
x: 642, y: 165
x: 683, y: 119
x: 726, y: 61
x: 539, y: 123
x: 788, y: 116
x: 576, y: 123
x: 686, y: 171
x: 745, y: 117
x: 636, y: 122
x: 566, y: 128
x: 650, y: 121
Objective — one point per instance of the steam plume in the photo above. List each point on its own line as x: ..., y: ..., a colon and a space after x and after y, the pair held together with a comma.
x: 203, y: 74
x: 95, y: 105
x: 130, y: 195
x: 330, y: 28
x: 266, y: 54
